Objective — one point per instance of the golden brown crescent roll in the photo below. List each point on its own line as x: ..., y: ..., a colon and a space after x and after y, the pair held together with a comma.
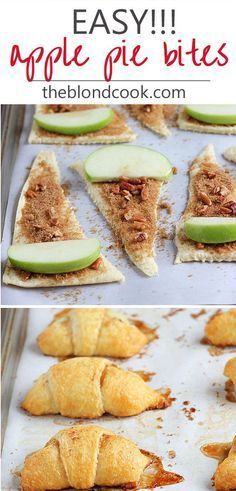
x: 86, y: 456
x: 92, y: 332
x: 230, y: 386
x: 220, y: 330
x: 90, y: 387
x: 225, y: 476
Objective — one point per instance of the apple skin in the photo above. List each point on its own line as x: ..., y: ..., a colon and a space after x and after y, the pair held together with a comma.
x: 48, y: 122
x: 54, y: 266
x: 120, y: 160
x: 211, y: 116
x: 207, y: 231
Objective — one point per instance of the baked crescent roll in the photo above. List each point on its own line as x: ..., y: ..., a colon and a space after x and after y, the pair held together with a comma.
x: 230, y: 386
x: 90, y: 387
x: 93, y: 331
x: 86, y: 456
x: 221, y: 328
x: 225, y: 476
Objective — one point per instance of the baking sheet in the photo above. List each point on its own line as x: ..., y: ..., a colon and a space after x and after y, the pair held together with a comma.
x: 179, y: 361
x: 189, y: 283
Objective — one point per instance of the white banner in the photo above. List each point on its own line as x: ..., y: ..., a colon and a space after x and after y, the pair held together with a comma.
x: 119, y: 52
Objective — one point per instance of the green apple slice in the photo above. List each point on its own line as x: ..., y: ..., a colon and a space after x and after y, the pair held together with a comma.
x: 211, y: 230
x: 54, y: 257
x: 213, y: 113
x: 112, y: 162
x: 75, y: 122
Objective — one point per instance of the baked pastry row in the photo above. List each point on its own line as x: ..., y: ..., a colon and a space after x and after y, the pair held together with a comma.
x: 90, y: 387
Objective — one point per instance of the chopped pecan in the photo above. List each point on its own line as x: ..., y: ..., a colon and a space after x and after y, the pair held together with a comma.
x: 219, y: 199
x: 96, y: 264
x: 231, y: 206
x: 39, y: 187
x: 124, y: 204
x: 116, y: 189
x: 224, y: 209
x: 126, y: 185
x: 54, y: 221
x: 216, y: 189
x: 126, y: 194
x: 141, y: 236
x: 205, y: 199
x: 128, y: 215
x: 51, y: 212
x: 133, y: 180
x: 30, y: 193
x: 131, y: 215
x: 209, y: 174
x: 137, y: 217
x: 60, y: 108
x: 138, y: 226
x: 174, y: 170
x: 199, y: 245
x: 56, y: 234
x: 144, y: 193
x: 25, y: 275
x: 203, y: 210
x: 224, y: 191
x: 147, y: 108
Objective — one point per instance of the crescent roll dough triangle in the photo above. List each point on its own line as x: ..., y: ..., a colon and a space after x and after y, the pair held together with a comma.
x: 186, y: 122
x: 150, y: 115
x: 44, y: 214
x: 90, y: 387
x: 136, y: 225
x: 83, y: 457
x: 116, y: 132
x: 211, y: 193
x: 93, y: 332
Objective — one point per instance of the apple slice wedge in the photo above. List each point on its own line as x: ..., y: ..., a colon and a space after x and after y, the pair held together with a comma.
x: 131, y: 161
x: 54, y: 257
x: 211, y: 230
x: 213, y: 113
x: 75, y: 122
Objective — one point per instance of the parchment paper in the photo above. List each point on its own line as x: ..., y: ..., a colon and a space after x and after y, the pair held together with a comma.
x: 178, y: 360
x: 189, y: 283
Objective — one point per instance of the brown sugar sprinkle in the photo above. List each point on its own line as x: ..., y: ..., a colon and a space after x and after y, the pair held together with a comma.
x: 174, y: 170
x: 171, y: 454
